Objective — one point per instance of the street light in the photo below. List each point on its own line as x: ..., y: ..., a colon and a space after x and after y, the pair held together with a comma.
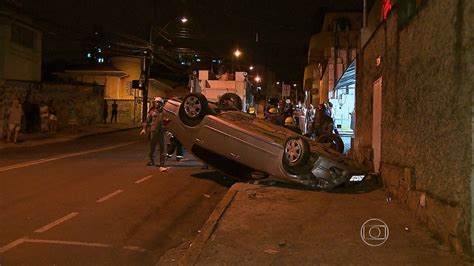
x: 237, y: 53
x: 184, y: 19
x: 251, y: 67
x: 258, y: 79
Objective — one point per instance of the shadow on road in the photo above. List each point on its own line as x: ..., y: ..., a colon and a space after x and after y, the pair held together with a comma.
x: 216, y: 177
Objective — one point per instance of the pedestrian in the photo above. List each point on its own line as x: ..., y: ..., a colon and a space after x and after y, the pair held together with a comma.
x: 53, y: 119
x: 174, y: 146
x: 114, y: 112
x: 290, y: 124
x: 155, y: 128
x: 105, y: 112
x: 14, y: 120
x: 330, y: 113
x: 44, y: 115
x: 272, y: 116
x: 322, y: 123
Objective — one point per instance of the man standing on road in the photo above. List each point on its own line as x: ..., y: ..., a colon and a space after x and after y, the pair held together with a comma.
x: 154, y: 126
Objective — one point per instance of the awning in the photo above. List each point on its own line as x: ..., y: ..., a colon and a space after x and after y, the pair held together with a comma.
x: 348, y: 78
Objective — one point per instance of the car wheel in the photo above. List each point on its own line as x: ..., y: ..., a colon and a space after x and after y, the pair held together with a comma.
x: 233, y: 98
x: 296, y: 154
x: 193, y: 108
x: 334, y: 141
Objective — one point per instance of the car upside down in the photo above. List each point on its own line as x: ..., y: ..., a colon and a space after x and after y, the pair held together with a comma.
x: 246, y: 147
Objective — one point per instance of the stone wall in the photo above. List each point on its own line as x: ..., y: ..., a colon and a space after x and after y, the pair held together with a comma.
x: 85, y: 99
x: 129, y: 111
x: 426, y: 72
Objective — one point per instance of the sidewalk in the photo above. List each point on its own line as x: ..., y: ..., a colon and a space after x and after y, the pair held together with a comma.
x: 34, y: 139
x: 261, y: 225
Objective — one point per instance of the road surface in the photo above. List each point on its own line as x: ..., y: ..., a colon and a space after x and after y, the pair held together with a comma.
x: 94, y: 202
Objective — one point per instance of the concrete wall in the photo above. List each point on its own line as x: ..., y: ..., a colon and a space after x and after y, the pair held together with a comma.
x: 425, y: 114
x: 85, y: 99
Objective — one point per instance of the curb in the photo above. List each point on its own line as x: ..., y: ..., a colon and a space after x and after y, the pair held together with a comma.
x: 194, y: 251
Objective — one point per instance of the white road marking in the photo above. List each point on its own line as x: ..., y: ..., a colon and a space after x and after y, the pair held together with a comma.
x: 45, y: 160
x: 109, y: 196
x: 143, y: 179
x: 64, y: 242
x: 55, y: 223
x: 78, y: 243
x: 135, y: 248
x: 12, y: 245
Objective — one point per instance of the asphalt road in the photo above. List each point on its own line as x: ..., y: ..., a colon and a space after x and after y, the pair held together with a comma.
x: 94, y: 202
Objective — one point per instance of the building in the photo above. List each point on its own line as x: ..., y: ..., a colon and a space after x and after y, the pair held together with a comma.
x: 329, y: 76
x: 20, y: 45
x: 414, y: 111
x: 117, y: 80
x: 330, y: 52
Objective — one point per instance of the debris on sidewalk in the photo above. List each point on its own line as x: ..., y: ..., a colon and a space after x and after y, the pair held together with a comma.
x: 164, y: 169
x: 207, y: 196
x: 252, y: 194
x: 271, y: 251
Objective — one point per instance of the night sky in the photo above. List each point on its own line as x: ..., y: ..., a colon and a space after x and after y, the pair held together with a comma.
x: 216, y: 27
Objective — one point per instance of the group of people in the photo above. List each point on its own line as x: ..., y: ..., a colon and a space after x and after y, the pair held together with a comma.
x: 105, y: 113
x: 318, y: 121
x: 48, y: 116
x: 155, y: 130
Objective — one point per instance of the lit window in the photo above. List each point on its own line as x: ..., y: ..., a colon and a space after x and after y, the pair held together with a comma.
x: 99, y: 50
x: 198, y: 60
x: 89, y: 55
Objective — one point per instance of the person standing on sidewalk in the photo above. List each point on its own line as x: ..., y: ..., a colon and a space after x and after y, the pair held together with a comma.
x: 44, y: 115
x: 154, y: 125
x: 114, y: 112
x: 14, y: 120
x: 53, y: 118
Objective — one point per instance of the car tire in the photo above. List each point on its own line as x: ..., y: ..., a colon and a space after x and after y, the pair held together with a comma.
x: 193, y: 108
x: 296, y: 154
x: 333, y: 140
x: 232, y: 97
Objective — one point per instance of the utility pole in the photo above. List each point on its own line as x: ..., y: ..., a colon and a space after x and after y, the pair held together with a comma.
x: 147, y: 63
x: 146, y: 70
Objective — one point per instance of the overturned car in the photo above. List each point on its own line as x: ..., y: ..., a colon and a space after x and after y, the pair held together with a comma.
x: 245, y: 147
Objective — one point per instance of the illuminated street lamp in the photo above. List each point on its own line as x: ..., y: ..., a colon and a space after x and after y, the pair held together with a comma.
x: 278, y: 82
x: 251, y: 67
x: 258, y: 79
x: 237, y: 53
x: 184, y: 19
